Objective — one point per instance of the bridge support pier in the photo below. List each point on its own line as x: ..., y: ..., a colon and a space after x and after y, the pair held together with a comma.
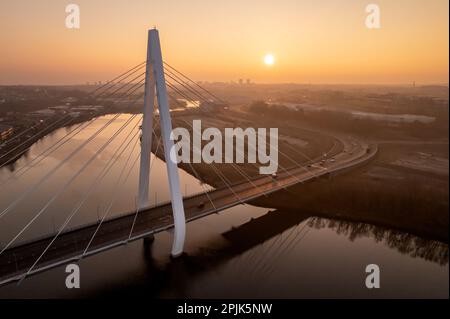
x: 149, y: 240
x: 155, y: 80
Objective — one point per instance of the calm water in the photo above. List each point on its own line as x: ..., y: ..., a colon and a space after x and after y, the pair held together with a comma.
x: 245, y: 251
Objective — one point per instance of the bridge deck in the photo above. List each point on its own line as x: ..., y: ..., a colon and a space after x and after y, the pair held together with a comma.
x: 69, y: 246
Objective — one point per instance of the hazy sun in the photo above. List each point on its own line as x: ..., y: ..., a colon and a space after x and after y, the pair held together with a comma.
x: 269, y: 59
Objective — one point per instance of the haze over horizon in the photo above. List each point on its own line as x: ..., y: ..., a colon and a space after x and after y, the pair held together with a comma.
x: 318, y: 43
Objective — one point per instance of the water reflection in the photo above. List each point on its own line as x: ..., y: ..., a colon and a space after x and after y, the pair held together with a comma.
x: 405, y: 243
x: 288, y: 254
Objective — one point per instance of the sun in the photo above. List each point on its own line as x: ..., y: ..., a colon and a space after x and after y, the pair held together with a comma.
x: 269, y: 59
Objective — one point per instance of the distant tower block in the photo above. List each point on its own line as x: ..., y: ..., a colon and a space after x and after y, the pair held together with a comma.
x: 155, y: 80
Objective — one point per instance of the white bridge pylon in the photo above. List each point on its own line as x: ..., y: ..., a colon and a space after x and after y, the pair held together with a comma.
x: 155, y: 80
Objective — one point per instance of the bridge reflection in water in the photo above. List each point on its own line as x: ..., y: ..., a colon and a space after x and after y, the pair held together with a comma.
x: 300, y: 252
x: 296, y: 250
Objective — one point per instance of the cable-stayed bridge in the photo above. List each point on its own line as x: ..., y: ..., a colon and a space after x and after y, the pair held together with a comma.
x: 160, y: 83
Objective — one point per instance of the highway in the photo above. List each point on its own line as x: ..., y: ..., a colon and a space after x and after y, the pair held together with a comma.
x: 71, y: 245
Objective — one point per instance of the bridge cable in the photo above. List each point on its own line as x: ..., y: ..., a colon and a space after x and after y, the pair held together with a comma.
x: 205, y: 190
x: 45, y: 128
x: 187, y: 86
x: 269, y: 145
x: 236, y: 167
x: 195, y: 83
x: 118, y: 78
x: 67, y: 184
x: 38, y: 133
x: 293, y: 243
x: 224, y: 179
x: 49, y: 174
x: 260, y: 265
x: 240, y: 171
x: 111, y: 162
x: 283, y: 168
x: 114, y: 198
x: 60, y: 142
x: 282, y: 153
x: 219, y: 174
x: 151, y: 165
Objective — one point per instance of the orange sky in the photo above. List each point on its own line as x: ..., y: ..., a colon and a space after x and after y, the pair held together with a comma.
x: 321, y: 41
